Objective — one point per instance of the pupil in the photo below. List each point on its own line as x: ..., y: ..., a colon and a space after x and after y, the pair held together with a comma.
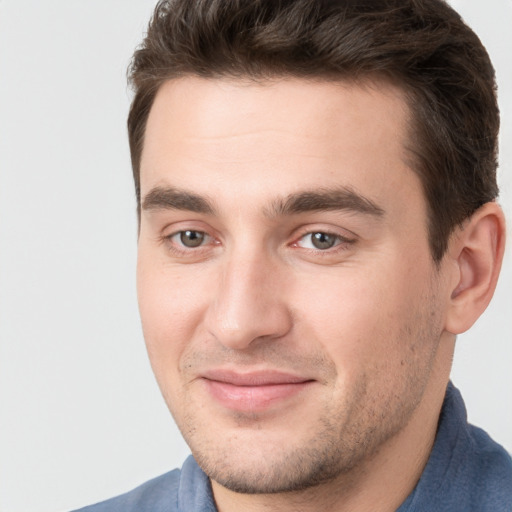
x: 191, y: 238
x: 323, y: 240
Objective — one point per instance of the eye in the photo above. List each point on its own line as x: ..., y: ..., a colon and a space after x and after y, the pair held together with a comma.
x: 189, y: 238
x: 319, y: 240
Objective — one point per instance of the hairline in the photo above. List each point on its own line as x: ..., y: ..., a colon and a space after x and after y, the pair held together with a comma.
x: 364, y: 80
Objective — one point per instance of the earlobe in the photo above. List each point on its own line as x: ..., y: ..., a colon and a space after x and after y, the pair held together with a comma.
x: 477, y: 250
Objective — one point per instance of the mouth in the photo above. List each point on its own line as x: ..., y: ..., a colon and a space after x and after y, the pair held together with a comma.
x: 253, y: 391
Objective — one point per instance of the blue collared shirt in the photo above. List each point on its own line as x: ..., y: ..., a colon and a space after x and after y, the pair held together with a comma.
x: 467, y: 471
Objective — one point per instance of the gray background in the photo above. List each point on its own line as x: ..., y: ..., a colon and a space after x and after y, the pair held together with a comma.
x: 81, y: 418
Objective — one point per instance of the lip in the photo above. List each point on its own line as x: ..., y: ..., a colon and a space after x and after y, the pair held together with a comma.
x: 253, y: 391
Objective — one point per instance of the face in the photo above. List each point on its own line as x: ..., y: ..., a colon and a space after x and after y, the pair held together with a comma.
x: 289, y: 301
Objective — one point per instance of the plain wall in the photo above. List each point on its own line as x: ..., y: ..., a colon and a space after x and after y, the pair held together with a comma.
x: 81, y: 418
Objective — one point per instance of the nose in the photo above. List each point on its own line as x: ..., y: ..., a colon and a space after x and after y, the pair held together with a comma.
x: 249, y: 302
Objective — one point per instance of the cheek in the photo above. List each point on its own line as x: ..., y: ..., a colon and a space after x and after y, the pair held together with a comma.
x: 170, y: 309
x: 359, y: 317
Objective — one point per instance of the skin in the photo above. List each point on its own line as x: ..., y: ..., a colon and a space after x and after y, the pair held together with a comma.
x: 363, y: 325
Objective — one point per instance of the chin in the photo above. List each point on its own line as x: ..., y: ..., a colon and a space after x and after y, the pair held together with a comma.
x: 261, y: 462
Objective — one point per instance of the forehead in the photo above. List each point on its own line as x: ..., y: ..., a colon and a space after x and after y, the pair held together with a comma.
x: 219, y: 107
x: 276, y: 135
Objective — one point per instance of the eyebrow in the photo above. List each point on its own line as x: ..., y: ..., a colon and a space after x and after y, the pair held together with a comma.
x: 169, y: 198
x: 343, y: 198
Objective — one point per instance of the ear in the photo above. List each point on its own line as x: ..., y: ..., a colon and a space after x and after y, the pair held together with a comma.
x: 476, y: 249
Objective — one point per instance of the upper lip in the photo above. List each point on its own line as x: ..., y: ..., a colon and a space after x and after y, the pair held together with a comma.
x: 253, y: 378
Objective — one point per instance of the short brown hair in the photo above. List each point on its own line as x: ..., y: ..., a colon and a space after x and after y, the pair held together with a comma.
x: 423, y: 46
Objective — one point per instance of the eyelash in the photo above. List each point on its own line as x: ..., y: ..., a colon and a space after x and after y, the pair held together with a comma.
x: 341, y: 243
x: 179, y: 248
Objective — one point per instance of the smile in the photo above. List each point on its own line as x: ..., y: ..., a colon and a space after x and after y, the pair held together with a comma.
x: 253, y: 392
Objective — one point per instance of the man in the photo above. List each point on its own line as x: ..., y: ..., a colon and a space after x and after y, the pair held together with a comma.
x: 316, y: 191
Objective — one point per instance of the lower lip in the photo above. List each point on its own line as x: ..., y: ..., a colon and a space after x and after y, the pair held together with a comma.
x: 253, y: 398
